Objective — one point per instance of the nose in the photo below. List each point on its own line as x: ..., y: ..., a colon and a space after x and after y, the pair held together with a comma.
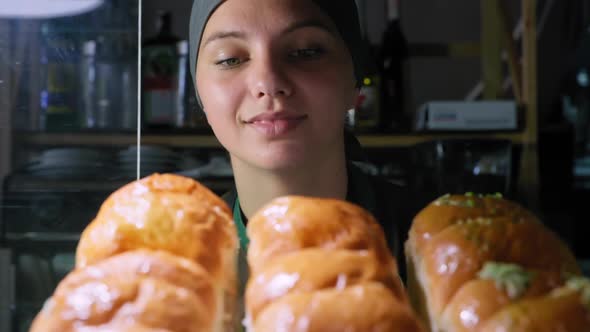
x: 269, y: 79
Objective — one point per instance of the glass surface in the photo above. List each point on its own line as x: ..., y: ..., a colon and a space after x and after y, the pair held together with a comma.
x: 461, y: 166
x: 69, y: 123
x: 69, y: 127
x: 64, y: 75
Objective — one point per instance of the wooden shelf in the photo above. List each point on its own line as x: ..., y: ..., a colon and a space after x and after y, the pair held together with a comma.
x: 115, y: 140
x: 384, y: 141
x: 23, y: 184
x: 209, y: 141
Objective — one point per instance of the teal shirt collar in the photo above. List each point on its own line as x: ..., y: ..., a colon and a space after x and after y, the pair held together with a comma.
x: 240, y: 225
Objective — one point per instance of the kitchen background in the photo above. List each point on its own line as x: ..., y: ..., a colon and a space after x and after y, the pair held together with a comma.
x: 68, y: 117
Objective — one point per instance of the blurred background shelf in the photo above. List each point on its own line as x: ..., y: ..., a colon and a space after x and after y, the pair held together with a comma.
x: 30, y: 184
x: 209, y: 141
x: 405, y: 140
x: 114, y: 139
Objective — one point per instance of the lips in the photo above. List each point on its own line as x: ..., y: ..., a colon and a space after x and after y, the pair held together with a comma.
x: 273, y: 116
x: 273, y: 124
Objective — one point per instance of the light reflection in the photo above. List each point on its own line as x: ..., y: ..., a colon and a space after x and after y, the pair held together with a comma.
x: 46, y: 8
x: 281, y: 227
x: 89, y: 297
x: 469, y: 318
x: 276, y: 210
x: 341, y: 282
x: 281, y: 283
x: 447, y: 261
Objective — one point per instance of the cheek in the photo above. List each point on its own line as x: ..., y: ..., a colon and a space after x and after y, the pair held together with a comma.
x: 220, y: 102
x: 219, y: 98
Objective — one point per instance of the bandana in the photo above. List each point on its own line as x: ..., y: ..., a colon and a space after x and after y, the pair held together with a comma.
x: 344, y: 14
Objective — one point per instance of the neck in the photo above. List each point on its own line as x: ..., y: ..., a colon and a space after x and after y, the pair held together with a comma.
x: 256, y: 187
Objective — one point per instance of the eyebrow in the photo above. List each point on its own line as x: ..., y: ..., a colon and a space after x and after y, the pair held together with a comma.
x: 306, y: 24
x: 222, y: 35
x: 295, y: 26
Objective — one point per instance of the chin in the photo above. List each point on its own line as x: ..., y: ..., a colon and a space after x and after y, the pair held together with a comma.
x: 273, y: 159
x: 282, y: 155
x: 279, y: 163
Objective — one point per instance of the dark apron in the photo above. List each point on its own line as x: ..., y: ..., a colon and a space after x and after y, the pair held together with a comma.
x: 386, y: 201
x: 389, y: 203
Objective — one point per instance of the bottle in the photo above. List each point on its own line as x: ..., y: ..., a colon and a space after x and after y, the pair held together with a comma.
x: 88, y: 84
x: 60, y: 58
x: 108, y: 82
x: 394, y: 51
x: 576, y: 95
x: 160, y: 75
x: 128, y: 114
x: 367, y: 109
x: 127, y: 18
x: 368, y: 106
x: 181, y: 117
x: 116, y: 68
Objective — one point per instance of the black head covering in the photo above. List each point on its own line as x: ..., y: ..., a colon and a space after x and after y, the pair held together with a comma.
x: 343, y: 13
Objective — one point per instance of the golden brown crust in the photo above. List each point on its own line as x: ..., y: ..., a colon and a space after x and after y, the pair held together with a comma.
x: 479, y: 299
x: 456, y: 254
x: 164, y: 212
x: 562, y: 311
x: 136, y: 290
x: 322, y: 265
x: 289, y: 224
x: 312, y: 270
x: 451, y: 240
x: 450, y: 209
x: 365, y: 307
x: 160, y: 256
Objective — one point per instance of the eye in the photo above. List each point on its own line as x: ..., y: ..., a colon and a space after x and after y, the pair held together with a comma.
x: 229, y: 62
x: 306, y: 53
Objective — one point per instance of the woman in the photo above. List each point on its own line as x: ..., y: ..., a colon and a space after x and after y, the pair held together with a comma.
x: 275, y: 79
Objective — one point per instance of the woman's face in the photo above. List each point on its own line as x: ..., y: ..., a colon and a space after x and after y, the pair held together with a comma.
x: 276, y: 81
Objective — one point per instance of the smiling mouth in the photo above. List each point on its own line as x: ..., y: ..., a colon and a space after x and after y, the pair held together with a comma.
x: 271, y: 117
x: 277, y: 125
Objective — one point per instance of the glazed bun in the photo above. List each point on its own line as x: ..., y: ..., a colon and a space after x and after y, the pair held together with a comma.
x: 161, y: 255
x: 564, y: 309
x: 496, y: 286
x: 322, y: 265
x: 289, y: 224
x: 466, y: 255
x: 364, y: 307
x: 134, y: 290
x: 309, y: 270
x: 165, y: 212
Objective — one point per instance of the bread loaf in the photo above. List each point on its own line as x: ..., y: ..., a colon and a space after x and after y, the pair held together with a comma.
x: 159, y: 256
x: 564, y: 309
x: 322, y: 265
x: 140, y: 288
x: 165, y: 212
x: 470, y: 255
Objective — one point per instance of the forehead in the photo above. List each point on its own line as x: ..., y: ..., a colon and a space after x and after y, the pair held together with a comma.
x: 264, y: 15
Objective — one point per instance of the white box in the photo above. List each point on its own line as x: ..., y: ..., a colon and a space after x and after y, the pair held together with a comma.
x: 468, y: 115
